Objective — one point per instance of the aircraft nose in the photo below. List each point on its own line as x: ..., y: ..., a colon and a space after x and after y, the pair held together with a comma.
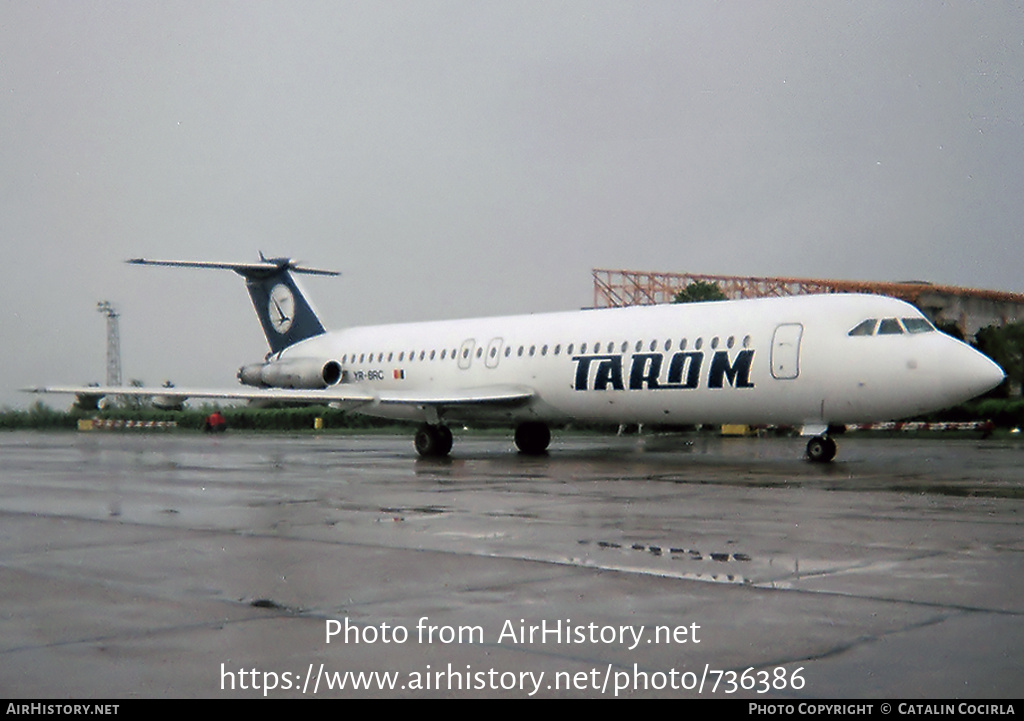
x: 978, y: 373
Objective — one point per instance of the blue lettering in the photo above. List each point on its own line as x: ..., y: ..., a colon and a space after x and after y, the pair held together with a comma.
x: 609, y: 372
x: 691, y: 362
x: 646, y: 369
x: 738, y: 374
x: 604, y: 372
x: 582, y: 371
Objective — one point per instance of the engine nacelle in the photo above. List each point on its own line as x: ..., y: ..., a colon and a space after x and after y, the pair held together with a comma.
x: 301, y: 373
x: 169, y: 403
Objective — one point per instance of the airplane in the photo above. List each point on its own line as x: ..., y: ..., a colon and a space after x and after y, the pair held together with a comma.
x: 817, y: 362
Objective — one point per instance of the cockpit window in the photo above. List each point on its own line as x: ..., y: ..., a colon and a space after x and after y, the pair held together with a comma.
x: 866, y: 327
x: 890, y: 326
x: 918, y: 325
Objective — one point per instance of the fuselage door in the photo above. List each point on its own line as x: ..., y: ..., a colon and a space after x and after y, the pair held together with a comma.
x: 786, y: 351
x: 493, y: 352
x: 466, y: 353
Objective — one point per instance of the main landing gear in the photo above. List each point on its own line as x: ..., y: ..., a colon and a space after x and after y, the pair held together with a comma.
x: 532, y: 438
x: 821, y: 449
x: 435, y: 441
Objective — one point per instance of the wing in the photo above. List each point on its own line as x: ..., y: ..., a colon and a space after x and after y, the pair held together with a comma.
x: 486, y: 404
x: 340, y: 395
x: 485, y: 396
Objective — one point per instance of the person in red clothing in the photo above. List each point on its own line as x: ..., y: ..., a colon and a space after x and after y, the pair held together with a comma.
x: 215, y: 423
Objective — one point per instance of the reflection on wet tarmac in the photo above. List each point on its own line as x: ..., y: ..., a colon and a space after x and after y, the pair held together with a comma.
x: 780, y: 561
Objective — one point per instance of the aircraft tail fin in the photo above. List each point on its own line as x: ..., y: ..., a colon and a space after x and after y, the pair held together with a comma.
x: 286, y: 315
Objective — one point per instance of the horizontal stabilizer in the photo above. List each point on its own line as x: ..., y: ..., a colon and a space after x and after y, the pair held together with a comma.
x: 284, y: 312
x: 264, y: 267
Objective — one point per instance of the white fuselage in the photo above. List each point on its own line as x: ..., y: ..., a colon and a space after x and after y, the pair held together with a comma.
x: 767, y: 361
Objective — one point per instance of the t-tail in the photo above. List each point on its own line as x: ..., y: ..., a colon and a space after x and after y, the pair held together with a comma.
x: 286, y: 315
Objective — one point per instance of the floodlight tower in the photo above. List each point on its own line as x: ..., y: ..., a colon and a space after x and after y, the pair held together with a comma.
x: 113, y: 343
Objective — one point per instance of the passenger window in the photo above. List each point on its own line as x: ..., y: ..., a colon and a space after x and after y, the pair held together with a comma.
x: 865, y: 327
x: 568, y: 350
x: 918, y: 325
x: 890, y: 326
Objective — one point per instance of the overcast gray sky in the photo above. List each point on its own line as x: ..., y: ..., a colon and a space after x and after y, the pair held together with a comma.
x: 478, y: 158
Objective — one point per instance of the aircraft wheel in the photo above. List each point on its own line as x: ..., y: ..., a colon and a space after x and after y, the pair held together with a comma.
x: 821, y: 449
x: 445, y: 440
x: 433, y: 441
x: 532, y: 438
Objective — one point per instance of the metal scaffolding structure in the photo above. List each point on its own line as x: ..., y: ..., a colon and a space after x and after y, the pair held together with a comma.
x: 615, y: 288
x: 113, y: 342
x: 969, y: 308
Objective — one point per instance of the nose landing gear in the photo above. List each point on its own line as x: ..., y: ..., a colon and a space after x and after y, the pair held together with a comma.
x: 821, y: 449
